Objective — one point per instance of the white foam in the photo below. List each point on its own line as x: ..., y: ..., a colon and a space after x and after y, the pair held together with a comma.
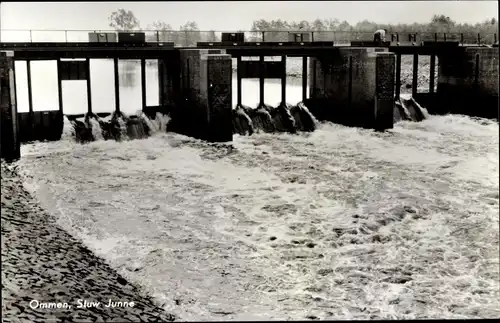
x: 107, y: 118
x: 162, y: 121
x: 423, y: 110
x: 198, y: 220
x: 96, y: 129
x: 123, y: 128
x: 141, y: 115
x: 68, y: 132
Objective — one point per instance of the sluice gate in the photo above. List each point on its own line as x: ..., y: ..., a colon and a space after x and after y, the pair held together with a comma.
x: 355, y: 85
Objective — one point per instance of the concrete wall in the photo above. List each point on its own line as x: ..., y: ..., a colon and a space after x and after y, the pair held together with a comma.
x: 216, y: 95
x: 10, y: 144
x: 190, y: 68
x: 169, y: 79
x: 203, y: 109
x: 344, y: 85
x: 384, y: 90
x: 468, y: 82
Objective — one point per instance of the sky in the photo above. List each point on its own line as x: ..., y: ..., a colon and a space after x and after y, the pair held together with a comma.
x: 234, y: 15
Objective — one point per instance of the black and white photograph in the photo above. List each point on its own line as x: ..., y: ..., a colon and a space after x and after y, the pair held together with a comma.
x: 249, y: 161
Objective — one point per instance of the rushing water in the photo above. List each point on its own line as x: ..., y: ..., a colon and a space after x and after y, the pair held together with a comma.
x: 341, y: 223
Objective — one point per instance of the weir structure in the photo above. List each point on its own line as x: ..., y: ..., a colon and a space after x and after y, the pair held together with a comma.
x: 354, y: 84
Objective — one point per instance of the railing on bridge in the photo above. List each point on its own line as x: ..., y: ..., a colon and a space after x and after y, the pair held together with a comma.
x: 190, y: 38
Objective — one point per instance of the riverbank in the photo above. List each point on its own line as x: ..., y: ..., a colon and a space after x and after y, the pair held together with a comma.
x: 43, y: 266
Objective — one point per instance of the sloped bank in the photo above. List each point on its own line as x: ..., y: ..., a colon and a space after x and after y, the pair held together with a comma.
x: 42, y: 263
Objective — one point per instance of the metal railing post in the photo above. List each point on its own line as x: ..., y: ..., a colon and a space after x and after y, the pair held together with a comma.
x: 478, y: 38
x: 157, y: 36
x: 462, y: 38
x: 66, y: 36
x: 31, y: 36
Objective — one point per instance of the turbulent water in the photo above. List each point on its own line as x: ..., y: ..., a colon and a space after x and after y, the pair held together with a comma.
x: 246, y: 121
x: 340, y: 223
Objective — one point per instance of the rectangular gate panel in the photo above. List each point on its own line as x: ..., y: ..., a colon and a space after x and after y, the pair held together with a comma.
x: 25, y: 126
x: 72, y: 70
x: 38, y: 128
x: 270, y: 70
x: 52, y: 125
x: 40, y: 125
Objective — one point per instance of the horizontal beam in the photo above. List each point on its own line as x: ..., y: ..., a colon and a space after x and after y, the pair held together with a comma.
x: 355, y: 43
x: 289, y: 52
x: 266, y: 45
x: 82, y: 46
x: 72, y: 117
x: 235, y: 52
x: 71, y: 54
x: 49, y: 51
x: 424, y: 50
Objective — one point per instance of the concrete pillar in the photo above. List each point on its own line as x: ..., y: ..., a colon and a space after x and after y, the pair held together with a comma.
x: 316, y: 89
x: 216, y: 89
x: 10, y: 143
x: 468, y: 82
x: 384, y: 91
x: 398, y: 76
x: 169, y: 79
x: 204, y: 108
x: 344, y: 86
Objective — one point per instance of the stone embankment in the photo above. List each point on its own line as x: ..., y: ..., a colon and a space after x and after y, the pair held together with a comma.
x: 43, y: 266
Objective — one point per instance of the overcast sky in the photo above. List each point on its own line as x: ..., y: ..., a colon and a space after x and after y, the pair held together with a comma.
x: 236, y: 15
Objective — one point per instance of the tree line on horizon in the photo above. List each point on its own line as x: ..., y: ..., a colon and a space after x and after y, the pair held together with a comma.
x: 189, y: 33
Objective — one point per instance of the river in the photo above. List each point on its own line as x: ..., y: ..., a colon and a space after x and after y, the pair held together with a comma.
x: 341, y: 223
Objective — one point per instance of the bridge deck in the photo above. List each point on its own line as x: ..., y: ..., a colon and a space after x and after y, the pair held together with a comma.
x: 54, y: 50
